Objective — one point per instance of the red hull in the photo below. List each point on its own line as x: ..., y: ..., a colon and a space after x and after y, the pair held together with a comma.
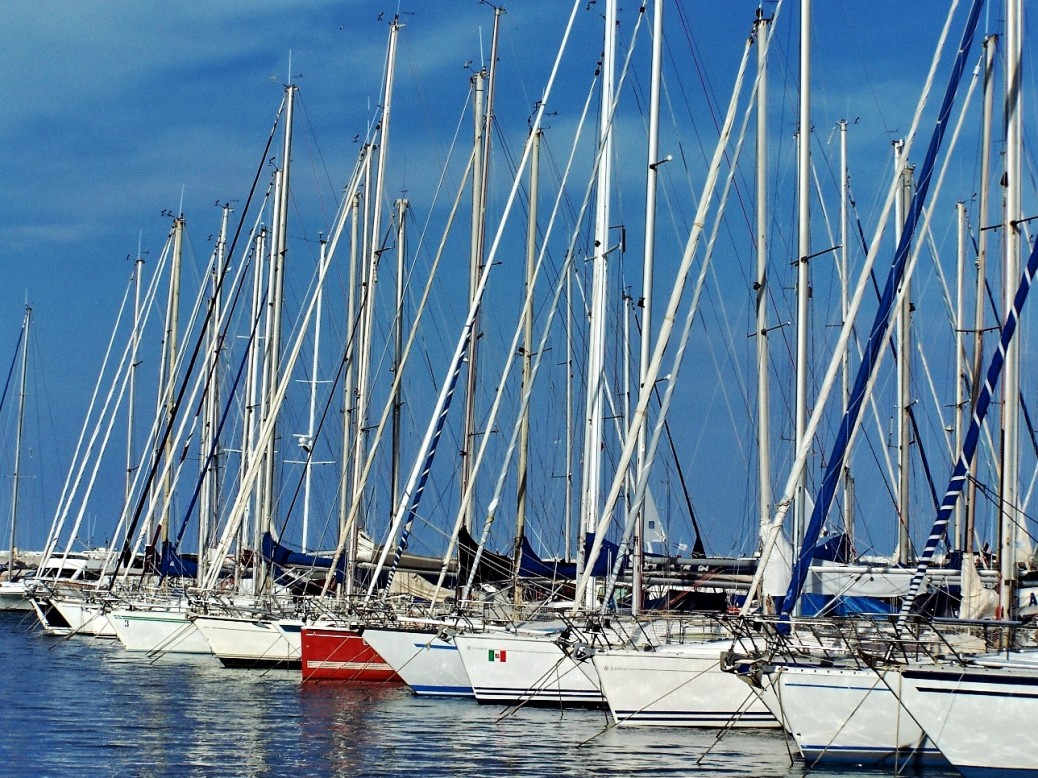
x: 340, y: 654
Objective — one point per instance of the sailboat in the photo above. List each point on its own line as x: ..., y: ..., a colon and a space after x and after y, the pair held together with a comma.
x: 13, y: 592
x: 675, y: 679
x: 553, y: 664
x: 155, y: 619
x: 976, y: 709
x: 427, y: 648
x: 975, y: 713
x: 914, y: 689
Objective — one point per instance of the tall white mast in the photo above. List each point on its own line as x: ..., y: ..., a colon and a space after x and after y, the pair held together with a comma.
x: 761, y: 283
x: 275, y: 300
x: 351, y: 430
x: 374, y: 249
x: 600, y: 278
x: 983, y: 201
x: 475, y: 263
x: 16, y: 475
x: 527, y: 357
x: 209, y: 502
x: 362, y: 349
x: 253, y: 382
x: 169, y: 382
x: 306, y: 442
x: 571, y: 551
x: 131, y: 400
x: 398, y: 348
x: 803, y: 267
x: 845, y: 237
x: 1010, y: 513
x: 904, y: 375
x: 483, y: 119
x: 645, y: 346
x: 961, y: 412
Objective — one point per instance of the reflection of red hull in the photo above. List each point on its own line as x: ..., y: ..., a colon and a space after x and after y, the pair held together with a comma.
x: 340, y: 654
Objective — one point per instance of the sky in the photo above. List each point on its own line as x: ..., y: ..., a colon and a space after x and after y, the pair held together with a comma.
x: 114, y: 115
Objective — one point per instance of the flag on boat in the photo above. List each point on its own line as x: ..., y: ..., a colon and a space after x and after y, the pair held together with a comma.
x: 496, y: 655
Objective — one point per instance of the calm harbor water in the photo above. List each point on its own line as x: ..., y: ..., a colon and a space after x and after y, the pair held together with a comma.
x: 77, y: 707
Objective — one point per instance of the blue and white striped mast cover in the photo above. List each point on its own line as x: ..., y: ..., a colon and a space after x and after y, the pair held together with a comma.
x: 880, y: 325
x: 969, y: 444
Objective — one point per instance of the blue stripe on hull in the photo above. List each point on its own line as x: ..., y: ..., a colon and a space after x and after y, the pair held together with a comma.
x: 872, y: 756
x: 711, y: 718
x: 442, y: 691
x: 532, y: 697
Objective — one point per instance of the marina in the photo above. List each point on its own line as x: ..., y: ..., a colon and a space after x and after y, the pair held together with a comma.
x: 100, y: 709
x: 581, y: 390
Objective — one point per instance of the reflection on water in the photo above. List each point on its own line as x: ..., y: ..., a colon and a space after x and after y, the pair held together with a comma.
x: 72, y: 706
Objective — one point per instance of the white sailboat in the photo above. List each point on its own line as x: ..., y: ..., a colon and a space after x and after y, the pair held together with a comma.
x: 844, y: 715
x: 978, y: 714
x: 424, y: 653
x: 85, y: 612
x: 527, y: 666
x: 14, y: 596
x: 681, y: 683
x: 903, y: 705
x: 979, y: 710
x: 257, y: 640
x: 158, y: 631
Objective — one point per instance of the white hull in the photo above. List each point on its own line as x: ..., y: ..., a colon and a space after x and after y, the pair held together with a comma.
x: 426, y: 662
x: 252, y: 642
x: 14, y: 597
x: 84, y: 617
x: 678, y: 686
x: 845, y: 714
x: 981, y: 718
x: 158, y: 630
x: 506, y: 668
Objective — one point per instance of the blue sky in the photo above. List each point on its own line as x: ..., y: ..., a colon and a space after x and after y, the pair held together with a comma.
x: 111, y: 114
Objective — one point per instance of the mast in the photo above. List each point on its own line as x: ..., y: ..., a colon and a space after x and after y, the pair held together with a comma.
x: 398, y: 348
x: 1010, y: 514
x: 571, y: 552
x: 374, y: 245
x: 131, y: 404
x: 761, y: 284
x: 483, y: 118
x: 170, y: 368
x: 627, y: 303
x: 12, y: 549
x: 845, y: 234
x: 475, y: 263
x: 960, y: 348
x: 594, y: 409
x: 306, y: 442
x: 803, y: 268
x: 275, y: 301
x: 983, y: 201
x: 350, y: 426
x: 250, y: 426
x: 363, y: 359
x: 209, y: 504
x: 904, y: 364
x: 645, y: 347
x: 527, y: 357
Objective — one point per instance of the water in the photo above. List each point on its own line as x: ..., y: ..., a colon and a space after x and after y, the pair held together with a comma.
x: 73, y: 706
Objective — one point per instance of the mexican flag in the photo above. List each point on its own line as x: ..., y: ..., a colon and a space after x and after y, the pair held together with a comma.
x: 495, y: 655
